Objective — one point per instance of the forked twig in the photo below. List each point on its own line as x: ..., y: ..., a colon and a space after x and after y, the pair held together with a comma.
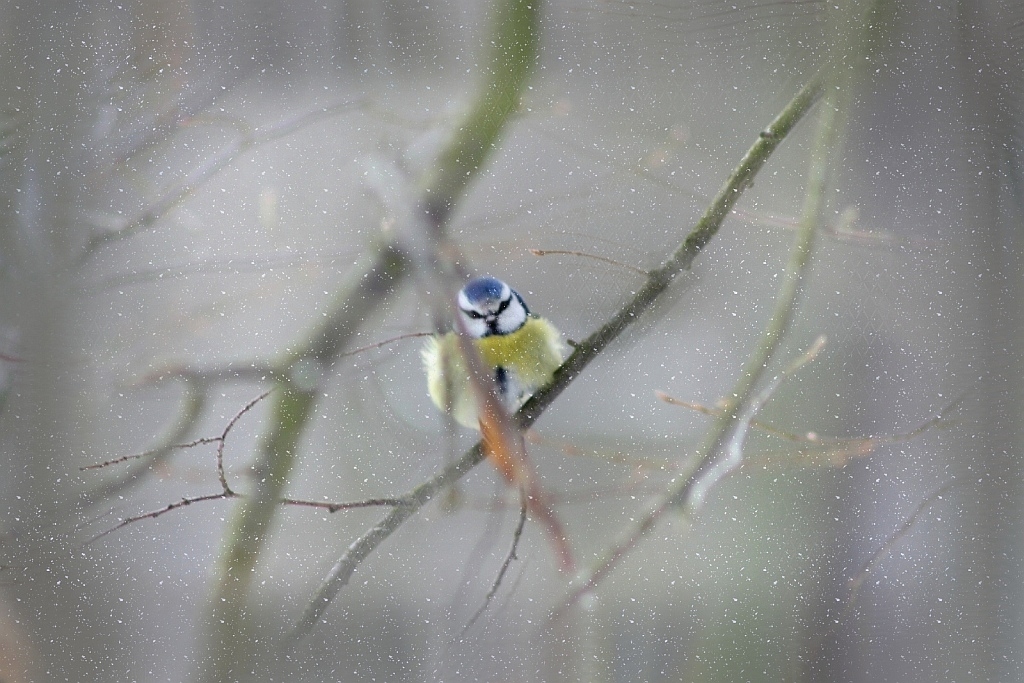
x: 226, y: 491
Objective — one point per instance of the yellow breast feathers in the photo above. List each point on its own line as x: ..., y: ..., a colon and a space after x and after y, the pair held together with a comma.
x: 527, y: 357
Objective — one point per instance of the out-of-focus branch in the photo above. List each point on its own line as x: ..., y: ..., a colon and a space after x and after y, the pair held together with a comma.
x: 712, y: 456
x: 805, y: 664
x: 296, y: 395
x: 515, y: 47
x: 825, y: 451
x: 248, y: 140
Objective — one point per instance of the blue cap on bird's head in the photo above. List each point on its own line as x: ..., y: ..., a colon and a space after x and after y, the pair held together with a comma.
x: 485, y: 289
x: 488, y: 306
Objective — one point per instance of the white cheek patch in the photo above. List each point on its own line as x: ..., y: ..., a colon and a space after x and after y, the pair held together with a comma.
x: 512, y: 318
x: 464, y: 304
x: 475, y: 327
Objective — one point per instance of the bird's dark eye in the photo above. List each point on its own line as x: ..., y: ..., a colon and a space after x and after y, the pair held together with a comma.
x: 502, y: 306
x: 474, y: 314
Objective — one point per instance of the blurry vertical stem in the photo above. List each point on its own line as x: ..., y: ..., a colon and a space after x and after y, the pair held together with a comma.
x: 229, y: 646
x: 515, y: 47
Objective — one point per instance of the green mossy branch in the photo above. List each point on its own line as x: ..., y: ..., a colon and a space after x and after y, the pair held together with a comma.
x: 296, y: 394
x: 515, y: 49
x: 682, y: 258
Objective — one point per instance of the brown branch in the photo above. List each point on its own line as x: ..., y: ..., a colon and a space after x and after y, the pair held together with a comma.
x: 229, y: 493
x: 192, y: 407
x: 192, y: 444
x: 334, y: 507
x: 224, y: 435
x: 137, y: 456
x: 153, y: 514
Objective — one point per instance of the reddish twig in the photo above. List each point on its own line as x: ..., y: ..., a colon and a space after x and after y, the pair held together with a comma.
x: 595, y: 257
x: 184, y: 502
x: 226, y: 491
x: 335, y: 507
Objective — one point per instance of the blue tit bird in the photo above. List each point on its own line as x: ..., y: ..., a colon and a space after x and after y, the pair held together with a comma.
x: 520, y: 349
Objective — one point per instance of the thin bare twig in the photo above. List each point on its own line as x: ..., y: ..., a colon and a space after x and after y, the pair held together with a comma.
x: 226, y: 491
x: 190, y: 184
x: 840, y: 449
x: 193, y: 405
x: 224, y: 436
x: 392, y: 340
x: 335, y: 507
x: 136, y: 456
x: 595, y: 257
x: 170, y: 507
x: 230, y: 493
x: 192, y: 444
x: 883, y: 551
x: 858, y: 579
x: 517, y: 534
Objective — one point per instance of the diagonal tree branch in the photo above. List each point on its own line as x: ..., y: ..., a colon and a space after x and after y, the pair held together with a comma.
x: 712, y: 457
x: 657, y: 282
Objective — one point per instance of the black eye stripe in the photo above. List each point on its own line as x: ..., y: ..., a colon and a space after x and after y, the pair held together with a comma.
x: 477, y: 315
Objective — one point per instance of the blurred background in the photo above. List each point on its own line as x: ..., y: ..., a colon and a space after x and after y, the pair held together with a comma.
x: 186, y: 184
